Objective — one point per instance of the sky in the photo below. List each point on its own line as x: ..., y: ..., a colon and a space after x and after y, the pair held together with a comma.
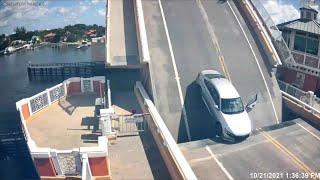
x: 49, y: 14
x: 286, y: 10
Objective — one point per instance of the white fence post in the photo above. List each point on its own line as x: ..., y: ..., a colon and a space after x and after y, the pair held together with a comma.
x: 109, y: 93
x: 106, y: 124
x: 55, y: 161
x: 91, y: 84
x: 81, y: 84
x: 49, y: 98
x: 65, y: 87
x: 86, y: 171
x: 310, y: 97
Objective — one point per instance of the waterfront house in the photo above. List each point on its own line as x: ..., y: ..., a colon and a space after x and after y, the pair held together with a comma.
x: 91, y: 33
x: 49, y: 37
x: 302, y: 38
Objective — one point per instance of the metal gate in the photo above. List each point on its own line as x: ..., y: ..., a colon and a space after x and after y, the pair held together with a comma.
x: 86, y: 85
x: 126, y: 125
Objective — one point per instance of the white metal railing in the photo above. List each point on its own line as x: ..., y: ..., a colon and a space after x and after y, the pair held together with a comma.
x: 305, y: 97
x: 53, y: 94
x: 168, y: 141
x: 306, y: 106
x: 280, y: 43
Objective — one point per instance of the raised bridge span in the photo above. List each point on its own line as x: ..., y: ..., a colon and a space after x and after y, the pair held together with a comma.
x: 184, y: 37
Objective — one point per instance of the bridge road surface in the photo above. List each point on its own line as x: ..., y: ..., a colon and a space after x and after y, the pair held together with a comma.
x: 258, y: 154
x: 181, y: 36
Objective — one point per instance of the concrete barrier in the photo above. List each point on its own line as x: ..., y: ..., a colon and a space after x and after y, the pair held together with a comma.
x: 141, y: 33
x: 252, y: 16
x: 108, y: 61
x: 301, y: 108
x: 175, y: 161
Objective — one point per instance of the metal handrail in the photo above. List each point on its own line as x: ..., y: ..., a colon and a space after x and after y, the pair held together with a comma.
x: 273, y: 30
x: 71, y: 64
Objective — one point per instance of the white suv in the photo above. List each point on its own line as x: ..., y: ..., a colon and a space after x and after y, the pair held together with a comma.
x: 223, y: 102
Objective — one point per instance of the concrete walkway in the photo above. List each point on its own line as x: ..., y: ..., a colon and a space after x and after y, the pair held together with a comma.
x: 134, y: 156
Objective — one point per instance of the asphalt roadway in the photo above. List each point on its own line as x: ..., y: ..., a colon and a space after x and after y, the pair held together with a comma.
x: 187, y: 36
x: 292, y: 152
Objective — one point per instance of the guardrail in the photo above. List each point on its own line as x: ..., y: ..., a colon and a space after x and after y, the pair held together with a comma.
x: 305, y: 106
x: 108, y: 33
x: 280, y: 44
x: 141, y: 32
x: 260, y: 30
x: 71, y: 64
x: 306, y: 97
x: 178, y: 166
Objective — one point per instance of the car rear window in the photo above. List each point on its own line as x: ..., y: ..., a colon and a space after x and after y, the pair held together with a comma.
x: 213, y: 76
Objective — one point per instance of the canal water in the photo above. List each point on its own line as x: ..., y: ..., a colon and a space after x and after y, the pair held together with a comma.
x: 14, y: 82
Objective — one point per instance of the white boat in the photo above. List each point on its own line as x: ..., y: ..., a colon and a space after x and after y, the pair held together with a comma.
x: 27, y: 46
x: 84, y: 44
x: 9, y: 50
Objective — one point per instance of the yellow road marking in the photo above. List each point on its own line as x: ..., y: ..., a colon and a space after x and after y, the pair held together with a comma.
x: 224, y: 67
x: 294, y: 158
x: 314, y: 135
x: 214, y: 39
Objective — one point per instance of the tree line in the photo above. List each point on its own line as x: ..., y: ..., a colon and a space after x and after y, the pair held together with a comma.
x: 72, y: 33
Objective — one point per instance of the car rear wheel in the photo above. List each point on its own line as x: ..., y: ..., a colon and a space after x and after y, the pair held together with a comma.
x: 218, y: 129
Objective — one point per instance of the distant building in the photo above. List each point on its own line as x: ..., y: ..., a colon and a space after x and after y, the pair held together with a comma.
x: 302, y: 37
x: 91, y: 33
x: 98, y: 49
x: 49, y: 37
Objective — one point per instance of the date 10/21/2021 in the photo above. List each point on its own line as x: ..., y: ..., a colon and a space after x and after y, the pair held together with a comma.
x: 284, y: 175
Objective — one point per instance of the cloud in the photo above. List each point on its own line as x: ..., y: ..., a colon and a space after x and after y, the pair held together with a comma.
x: 63, y: 10
x: 281, y: 12
x: 83, y: 8
x: 96, y: 1
x: 4, y: 23
x: 46, y: 14
x: 19, y: 9
x: 102, y: 12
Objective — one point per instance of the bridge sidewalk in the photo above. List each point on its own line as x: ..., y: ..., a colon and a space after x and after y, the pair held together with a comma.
x: 134, y: 156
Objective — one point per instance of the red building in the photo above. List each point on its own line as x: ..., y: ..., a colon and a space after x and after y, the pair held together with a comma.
x: 49, y: 37
x: 302, y: 37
